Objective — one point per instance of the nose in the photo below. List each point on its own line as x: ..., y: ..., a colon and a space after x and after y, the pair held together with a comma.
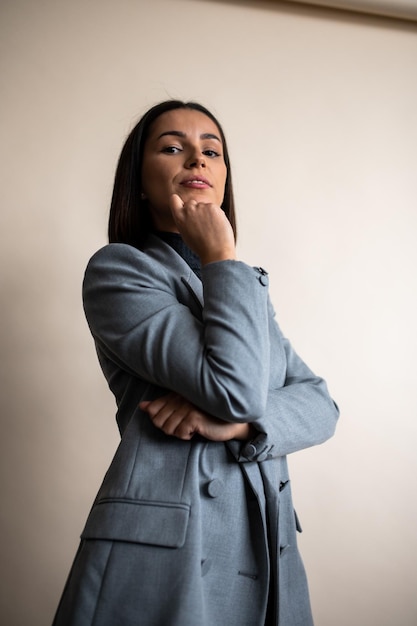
x: 196, y: 160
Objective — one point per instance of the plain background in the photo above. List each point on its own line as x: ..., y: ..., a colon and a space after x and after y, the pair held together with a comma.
x: 320, y: 112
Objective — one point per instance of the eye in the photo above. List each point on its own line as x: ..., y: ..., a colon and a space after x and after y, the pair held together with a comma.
x: 211, y: 153
x: 171, y: 150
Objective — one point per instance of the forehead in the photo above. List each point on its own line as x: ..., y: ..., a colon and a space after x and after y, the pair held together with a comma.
x: 187, y: 121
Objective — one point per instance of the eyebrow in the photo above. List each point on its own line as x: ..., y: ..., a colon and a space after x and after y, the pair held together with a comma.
x: 179, y: 133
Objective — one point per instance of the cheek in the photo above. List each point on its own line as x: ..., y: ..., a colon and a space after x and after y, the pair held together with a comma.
x: 222, y: 186
x: 152, y: 178
x: 157, y: 186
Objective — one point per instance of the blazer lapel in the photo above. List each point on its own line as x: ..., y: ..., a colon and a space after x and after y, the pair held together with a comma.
x: 195, y: 289
x: 175, y: 264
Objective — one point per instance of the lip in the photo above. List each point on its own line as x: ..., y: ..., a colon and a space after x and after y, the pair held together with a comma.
x: 196, y: 182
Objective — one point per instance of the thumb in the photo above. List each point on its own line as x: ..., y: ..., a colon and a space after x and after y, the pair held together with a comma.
x: 175, y: 202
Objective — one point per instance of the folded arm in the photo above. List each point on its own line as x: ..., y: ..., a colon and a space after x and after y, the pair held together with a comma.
x: 220, y: 364
x: 299, y: 414
x: 177, y: 417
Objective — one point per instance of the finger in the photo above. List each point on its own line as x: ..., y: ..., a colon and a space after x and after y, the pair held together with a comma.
x: 174, y: 422
x: 169, y: 423
x: 152, y: 406
x: 162, y: 414
x: 161, y: 418
x: 185, y: 428
x: 175, y: 203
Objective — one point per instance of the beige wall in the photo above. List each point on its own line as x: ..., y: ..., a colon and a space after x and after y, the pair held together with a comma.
x: 320, y: 109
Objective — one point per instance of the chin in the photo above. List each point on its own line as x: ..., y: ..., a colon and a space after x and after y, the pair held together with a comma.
x: 200, y: 195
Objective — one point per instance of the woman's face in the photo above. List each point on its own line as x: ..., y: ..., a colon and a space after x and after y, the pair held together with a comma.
x: 184, y: 155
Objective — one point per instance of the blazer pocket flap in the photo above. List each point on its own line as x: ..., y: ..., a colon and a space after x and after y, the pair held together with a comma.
x: 138, y: 521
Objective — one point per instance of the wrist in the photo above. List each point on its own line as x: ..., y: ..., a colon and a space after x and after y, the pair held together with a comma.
x: 245, y: 432
x: 223, y: 255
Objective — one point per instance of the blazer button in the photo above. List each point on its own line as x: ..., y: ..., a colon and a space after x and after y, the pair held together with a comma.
x: 249, y: 451
x: 263, y: 276
x: 214, y: 487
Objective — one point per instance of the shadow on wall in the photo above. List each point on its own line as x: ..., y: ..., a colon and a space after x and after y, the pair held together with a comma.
x: 379, y: 12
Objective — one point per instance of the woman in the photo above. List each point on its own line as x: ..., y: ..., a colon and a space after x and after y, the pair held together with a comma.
x: 194, y: 523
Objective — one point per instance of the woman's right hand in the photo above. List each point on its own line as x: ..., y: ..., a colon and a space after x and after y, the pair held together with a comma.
x: 177, y: 417
x: 204, y: 228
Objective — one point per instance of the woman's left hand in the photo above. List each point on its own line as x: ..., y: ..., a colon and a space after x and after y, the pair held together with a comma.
x: 177, y: 417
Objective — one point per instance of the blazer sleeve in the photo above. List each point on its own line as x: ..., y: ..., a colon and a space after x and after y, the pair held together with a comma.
x: 221, y: 364
x: 299, y: 414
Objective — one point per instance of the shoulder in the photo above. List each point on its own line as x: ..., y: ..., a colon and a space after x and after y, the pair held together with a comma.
x: 122, y: 259
x: 119, y: 266
x: 116, y: 253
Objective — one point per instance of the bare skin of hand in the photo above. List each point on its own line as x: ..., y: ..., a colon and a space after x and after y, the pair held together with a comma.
x: 204, y: 228
x: 177, y: 417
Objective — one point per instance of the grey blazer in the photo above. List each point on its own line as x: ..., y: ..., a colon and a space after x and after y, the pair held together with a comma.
x: 194, y: 533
